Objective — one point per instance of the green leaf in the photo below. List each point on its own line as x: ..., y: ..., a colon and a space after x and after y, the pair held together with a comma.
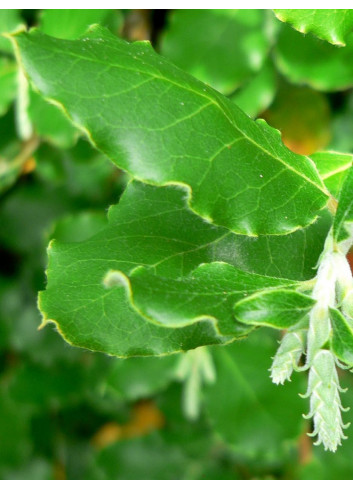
x: 343, y: 221
x: 70, y: 23
x: 222, y: 48
x: 136, y: 235
x: 8, y: 84
x: 208, y: 295
x: 153, y: 120
x: 258, y: 93
x: 333, y: 168
x: 327, y: 24
x: 92, y: 317
x: 342, y: 337
x: 246, y: 408
x: 274, y: 308
x: 316, y: 63
x: 293, y: 256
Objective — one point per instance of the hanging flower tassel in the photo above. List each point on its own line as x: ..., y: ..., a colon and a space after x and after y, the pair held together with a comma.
x: 325, y: 405
x: 287, y: 356
x: 333, y: 288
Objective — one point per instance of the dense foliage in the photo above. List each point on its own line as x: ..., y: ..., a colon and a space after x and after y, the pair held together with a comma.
x: 187, y: 232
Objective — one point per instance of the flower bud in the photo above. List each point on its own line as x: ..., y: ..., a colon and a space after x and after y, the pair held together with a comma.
x: 287, y: 356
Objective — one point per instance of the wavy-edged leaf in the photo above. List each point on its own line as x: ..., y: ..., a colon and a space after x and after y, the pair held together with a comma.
x: 342, y: 337
x: 274, y: 308
x: 163, y: 126
x: 92, y: 317
x: 106, y: 322
x: 153, y: 227
x: 314, y: 62
x: 332, y: 25
x: 182, y: 241
x: 207, y: 294
x: 221, y: 47
x: 343, y: 221
x: 333, y: 167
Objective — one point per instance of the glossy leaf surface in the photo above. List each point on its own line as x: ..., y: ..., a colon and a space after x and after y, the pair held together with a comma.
x: 274, y: 308
x: 163, y: 126
x: 211, y: 412
x: 136, y: 236
x: 208, y: 295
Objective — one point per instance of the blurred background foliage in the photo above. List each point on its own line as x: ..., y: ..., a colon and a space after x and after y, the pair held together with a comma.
x: 69, y: 413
